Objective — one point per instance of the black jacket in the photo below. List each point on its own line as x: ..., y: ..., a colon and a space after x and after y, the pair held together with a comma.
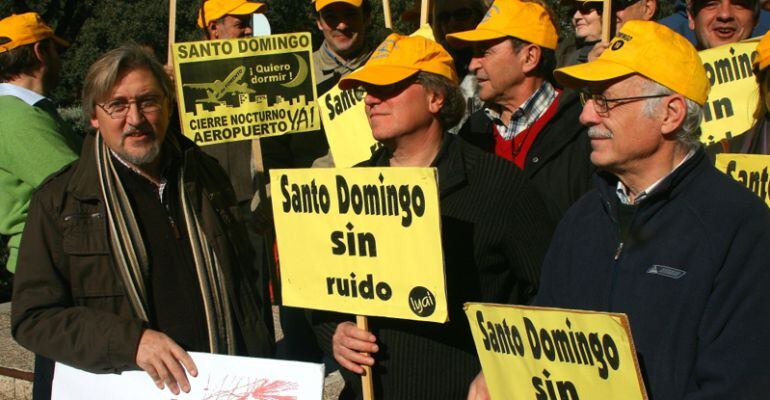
x: 495, y: 231
x: 692, y: 274
x: 69, y: 301
x: 558, y: 163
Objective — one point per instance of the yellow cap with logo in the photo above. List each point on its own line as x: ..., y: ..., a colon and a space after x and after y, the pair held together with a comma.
x: 763, y: 50
x: 525, y: 20
x: 649, y: 49
x: 320, y: 4
x: 213, y: 10
x: 22, y: 29
x: 398, y: 58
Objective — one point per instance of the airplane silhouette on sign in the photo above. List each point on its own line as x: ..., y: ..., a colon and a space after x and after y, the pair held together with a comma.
x: 218, y: 89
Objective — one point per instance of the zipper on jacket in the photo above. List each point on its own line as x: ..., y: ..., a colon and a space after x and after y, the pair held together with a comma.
x: 619, y: 250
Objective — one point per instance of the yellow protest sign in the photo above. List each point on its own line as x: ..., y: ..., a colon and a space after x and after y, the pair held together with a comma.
x: 555, y: 354
x: 729, y: 109
x: 347, y: 128
x: 242, y: 89
x: 748, y: 169
x: 363, y: 241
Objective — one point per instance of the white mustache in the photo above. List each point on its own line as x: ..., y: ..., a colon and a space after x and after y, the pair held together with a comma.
x: 598, y: 133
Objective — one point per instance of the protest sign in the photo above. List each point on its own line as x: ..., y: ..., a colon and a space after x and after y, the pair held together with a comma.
x: 749, y: 169
x: 248, y: 88
x: 347, y: 129
x: 363, y: 241
x: 219, y: 377
x: 729, y: 109
x: 555, y: 354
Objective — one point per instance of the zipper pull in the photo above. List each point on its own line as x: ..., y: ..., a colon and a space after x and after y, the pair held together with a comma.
x: 174, y: 228
x: 617, y: 252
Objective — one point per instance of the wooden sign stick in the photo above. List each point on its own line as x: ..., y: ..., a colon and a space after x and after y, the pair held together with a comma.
x: 607, y: 21
x: 386, y: 10
x: 366, y: 379
x: 424, y: 12
x: 171, y: 28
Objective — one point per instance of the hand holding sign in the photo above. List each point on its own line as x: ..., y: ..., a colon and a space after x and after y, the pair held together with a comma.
x: 351, y: 347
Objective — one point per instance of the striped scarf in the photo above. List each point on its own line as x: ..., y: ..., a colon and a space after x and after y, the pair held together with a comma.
x: 132, y: 261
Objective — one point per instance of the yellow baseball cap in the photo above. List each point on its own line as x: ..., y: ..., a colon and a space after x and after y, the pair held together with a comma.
x: 527, y: 21
x: 320, y: 4
x: 398, y: 58
x: 649, y: 49
x: 763, y: 48
x: 216, y: 9
x: 22, y: 29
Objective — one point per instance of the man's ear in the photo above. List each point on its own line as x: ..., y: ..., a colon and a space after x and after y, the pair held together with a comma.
x: 41, y: 52
x: 675, y: 111
x: 690, y: 19
x: 649, y: 9
x: 530, y: 56
x: 213, y: 30
x: 94, y: 121
x: 435, y: 101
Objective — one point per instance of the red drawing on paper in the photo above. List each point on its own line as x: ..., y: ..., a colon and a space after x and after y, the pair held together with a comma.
x: 245, y: 388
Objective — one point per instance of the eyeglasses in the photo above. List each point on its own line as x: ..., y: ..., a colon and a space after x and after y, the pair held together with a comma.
x: 118, y: 108
x: 586, y: 8
x: 460, y: 14
x: 602, y: 104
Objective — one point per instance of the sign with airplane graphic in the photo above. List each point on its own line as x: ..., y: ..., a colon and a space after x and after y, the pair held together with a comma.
x: 243, y: 89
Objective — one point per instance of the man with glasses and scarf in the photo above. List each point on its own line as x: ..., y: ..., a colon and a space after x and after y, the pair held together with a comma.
x: 664, y: 237
x: 131, y: 256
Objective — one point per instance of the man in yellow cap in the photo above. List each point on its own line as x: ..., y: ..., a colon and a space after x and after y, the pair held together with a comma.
x: 34, y: 140
x: 527, y: 120
x: 490, y: 255
x: 228, y: 19
x: 665, y: 237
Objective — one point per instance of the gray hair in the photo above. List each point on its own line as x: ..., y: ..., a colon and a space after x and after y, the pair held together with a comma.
x: 103, y: 74
x: 689, y: 133
x: 454, y: 102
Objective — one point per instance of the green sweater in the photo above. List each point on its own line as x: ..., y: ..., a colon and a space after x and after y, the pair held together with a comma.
x: 33, y: 145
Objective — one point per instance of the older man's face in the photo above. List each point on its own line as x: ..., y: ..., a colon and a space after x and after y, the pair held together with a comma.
x: 231, y: 27
x: 498, y: 68
x: 624, y: 134
x: 134, y: 135
x: 400, y: 109
x: 718, y: 22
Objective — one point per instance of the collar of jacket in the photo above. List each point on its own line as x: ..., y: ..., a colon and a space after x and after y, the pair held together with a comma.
x: 84, y: 184
x: 330, y: 62
x: 449, y: 161
x: 674, y: 184
x: 548, y: 143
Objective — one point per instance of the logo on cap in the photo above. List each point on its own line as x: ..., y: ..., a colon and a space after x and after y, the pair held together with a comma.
x: 492, y: 10
x: 385, y: 49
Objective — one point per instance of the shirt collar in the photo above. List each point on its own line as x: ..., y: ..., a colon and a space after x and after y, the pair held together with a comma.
x: 622, y: 190
x: 24, y: 94
x: 526, y: 114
